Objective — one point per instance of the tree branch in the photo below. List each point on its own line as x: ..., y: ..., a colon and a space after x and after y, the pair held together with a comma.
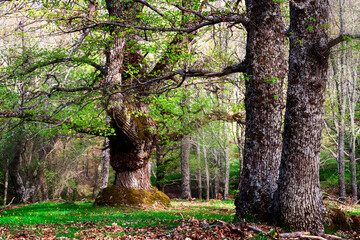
x: 58, y: 60
x: 234, y: 18
x: 53, y: 121
x: 342, y: 38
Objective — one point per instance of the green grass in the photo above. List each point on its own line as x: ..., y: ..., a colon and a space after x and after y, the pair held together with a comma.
x: 63, y: 216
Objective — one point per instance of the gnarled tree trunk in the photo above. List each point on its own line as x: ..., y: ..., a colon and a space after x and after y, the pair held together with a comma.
x: 301, y: 205
x: 267, y: 68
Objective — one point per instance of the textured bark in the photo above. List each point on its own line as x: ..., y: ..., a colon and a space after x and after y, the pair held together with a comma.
x: 267, y: 68
x: 300, y: 199
x: 133, y: 143
x: 185, y: 168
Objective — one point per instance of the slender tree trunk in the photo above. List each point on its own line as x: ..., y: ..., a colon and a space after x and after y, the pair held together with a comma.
x: 341, y: 99
x: 352, y: 104
x: 267, y: 68
x: 105, y: 162
x: 207, y: 176
x: 6, y: 181
x: 160, y: 167
x: 216, y: 174
x: 198, y: 152
x: 341, y: 137
x: 300, y: 199
x: 340, y: 84
x: 227, y: 165
x: 96, y: 181
x: 185, y: 168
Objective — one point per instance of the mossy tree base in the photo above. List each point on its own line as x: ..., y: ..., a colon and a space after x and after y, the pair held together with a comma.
x: 117, y: 196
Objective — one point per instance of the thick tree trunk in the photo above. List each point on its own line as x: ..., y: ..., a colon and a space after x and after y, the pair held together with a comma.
x: 133, y: 142
x: 138, y: 179
x: 185, y: 168
x: 267, y: 68
x: 300, y: 200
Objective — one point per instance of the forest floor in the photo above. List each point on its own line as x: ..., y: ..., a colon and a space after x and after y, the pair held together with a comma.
x: 183, y: 220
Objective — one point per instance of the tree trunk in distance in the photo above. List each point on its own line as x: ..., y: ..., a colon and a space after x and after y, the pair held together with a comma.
x: 207, y: 176
x: 105, y: 162
x: 160, y: 167
x: 185, y: 168
x: 267, y: 69
x: 300, y: 199
x: 341, y: 127
x: 216, y: 180
x: 6, y: 181
x: 198, y: 152
x: 352, y: 105
x: 227, y: 165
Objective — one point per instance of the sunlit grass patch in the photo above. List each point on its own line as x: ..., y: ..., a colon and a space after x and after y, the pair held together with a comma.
x: 70, y: 218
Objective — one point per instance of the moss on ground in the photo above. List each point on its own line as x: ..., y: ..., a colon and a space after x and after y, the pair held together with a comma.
x: 117, y: 196
x: 339, y: 220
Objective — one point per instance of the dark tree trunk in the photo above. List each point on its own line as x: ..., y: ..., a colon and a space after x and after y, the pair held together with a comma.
x: 14, y: 173
x: 267, y: 68
x: 6, y: 181
x: 301, y: 205
x: 160, y: 167
x: 185, y: 168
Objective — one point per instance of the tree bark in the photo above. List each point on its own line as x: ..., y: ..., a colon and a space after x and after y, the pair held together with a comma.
x: 267, y: 68
x: 300, y: 199
x: 133, y: 142
x: 185, y: 168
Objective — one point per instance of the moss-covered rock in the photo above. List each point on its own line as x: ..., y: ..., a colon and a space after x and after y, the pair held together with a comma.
x: 339, y: 220
x: 117, y: 196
